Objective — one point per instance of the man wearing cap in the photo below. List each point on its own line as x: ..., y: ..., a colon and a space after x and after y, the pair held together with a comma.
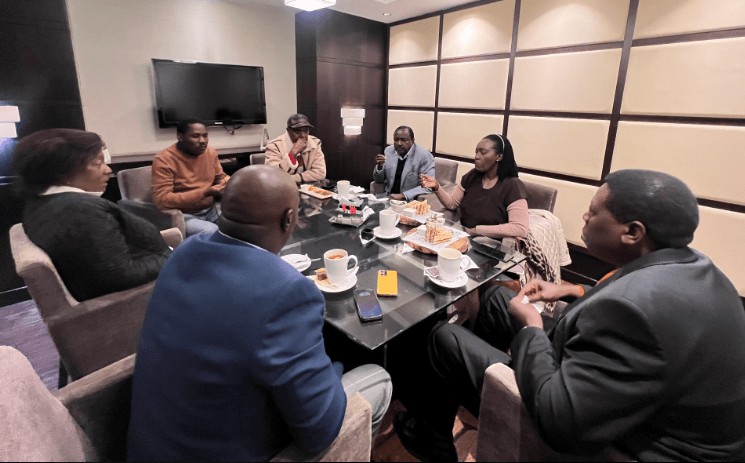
x: 297, y: 152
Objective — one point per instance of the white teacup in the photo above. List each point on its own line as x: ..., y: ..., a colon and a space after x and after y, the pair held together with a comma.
x: 342, y: 187
x: 388, y: 221
x: 305, y: 186
x: 409, y: 212
x: 451, y: 262
x: 397, y: 205
x: 336, y: 261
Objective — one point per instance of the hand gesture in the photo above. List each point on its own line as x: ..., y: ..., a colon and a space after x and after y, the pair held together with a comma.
x: 380, y: 159
x: 539, y: 290
x: 525, y: 314
x: 214, y: 190
x: 428, y: 181
x: 299, y: 146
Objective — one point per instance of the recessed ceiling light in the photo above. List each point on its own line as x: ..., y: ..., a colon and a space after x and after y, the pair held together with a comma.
x: 386, y: 14
x: 310, y: 5
x: 385, y: 1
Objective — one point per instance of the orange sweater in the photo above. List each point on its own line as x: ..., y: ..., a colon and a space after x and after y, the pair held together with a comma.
x: 180, y: 181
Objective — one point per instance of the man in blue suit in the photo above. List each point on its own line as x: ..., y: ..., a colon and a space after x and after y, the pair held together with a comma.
x: 399, y: 168
x: 231, y: 363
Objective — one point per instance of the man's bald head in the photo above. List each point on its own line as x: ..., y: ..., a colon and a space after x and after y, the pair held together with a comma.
x: 259, y: 205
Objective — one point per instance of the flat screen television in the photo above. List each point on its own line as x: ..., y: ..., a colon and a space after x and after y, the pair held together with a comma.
x: 218, y: 94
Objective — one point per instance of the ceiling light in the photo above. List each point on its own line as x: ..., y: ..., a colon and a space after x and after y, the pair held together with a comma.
x: 310, y: 5
x: 386, y: 14
x: 385, y: 1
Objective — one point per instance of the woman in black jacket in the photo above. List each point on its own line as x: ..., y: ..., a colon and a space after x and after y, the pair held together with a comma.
x: 96, y: 247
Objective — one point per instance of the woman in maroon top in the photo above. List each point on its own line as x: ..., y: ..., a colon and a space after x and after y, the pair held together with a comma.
x: 492, y: 200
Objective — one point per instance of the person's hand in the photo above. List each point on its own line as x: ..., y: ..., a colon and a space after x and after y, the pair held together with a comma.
x: 539, y: 290
x: 428, y: 181
x: 214, y: 190
x: 299, y: 146
x: 397, y: 196
x: 380, y: 159
x: 525, y: 314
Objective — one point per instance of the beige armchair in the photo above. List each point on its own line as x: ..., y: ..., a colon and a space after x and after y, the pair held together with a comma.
x: 88, y: 419
x: 136, y: 188
x: 89, y: 335
x: 506, y: 432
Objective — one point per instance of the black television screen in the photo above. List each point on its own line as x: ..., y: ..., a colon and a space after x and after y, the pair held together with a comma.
x: 218, y: 94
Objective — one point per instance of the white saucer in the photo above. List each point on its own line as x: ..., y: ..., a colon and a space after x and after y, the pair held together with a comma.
x: 347, y: 284
x: 379, y: 234
x: 457, y: 283
x: 301, y: 262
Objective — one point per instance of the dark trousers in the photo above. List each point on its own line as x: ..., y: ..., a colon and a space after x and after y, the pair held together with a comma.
x: 459, y: 358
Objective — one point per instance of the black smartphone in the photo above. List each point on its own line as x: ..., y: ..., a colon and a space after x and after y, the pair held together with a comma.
x: 367, y: 233
x: 368, y: 306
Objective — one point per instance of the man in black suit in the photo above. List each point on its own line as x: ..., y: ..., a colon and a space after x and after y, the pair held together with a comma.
x: 651, y: 360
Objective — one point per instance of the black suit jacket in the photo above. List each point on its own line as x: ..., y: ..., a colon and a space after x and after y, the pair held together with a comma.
x: 651, y: 360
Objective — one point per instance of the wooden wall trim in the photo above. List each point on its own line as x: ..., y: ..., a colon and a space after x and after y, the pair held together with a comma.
x: 570, y: 49
x: 511, y: 70
x: 437, y: 82
x: 690, y: 37
x: 698, y: 120
x: 412, y: 65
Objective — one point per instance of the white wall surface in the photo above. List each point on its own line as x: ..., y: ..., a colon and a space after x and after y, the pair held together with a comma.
x: 114, y: 41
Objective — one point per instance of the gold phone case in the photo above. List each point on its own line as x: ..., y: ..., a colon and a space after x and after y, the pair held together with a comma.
x: 387, y: 283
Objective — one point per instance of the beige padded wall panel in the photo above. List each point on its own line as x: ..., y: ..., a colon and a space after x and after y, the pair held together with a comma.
x: 565, y: 146
x: 415, y: 41
x: 458, y: 134
x: 412, y: 86
x: 477, y: 84
x: 485, y: 29
x: 709, y: 158
x: 720, y: 235
x: 670, y: 17
x: 421, y: 122
x: 693, y: 79
x: 463, y: 169
x: 560, y: 23
x: 572, y: 200
x: 575, y: 82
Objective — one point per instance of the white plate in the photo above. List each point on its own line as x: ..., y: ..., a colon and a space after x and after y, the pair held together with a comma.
x: 316, y: 195
x: 379, y: 233
x: 301, y: 262
x: 347, y: 284
x: 457, y: 283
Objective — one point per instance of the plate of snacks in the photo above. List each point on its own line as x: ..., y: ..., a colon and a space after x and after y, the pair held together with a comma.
x: 436, y: 238
x: 416, y: 213
x: 315, y: 192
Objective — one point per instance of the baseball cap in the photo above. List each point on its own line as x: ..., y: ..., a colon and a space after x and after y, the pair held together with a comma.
x: 297, y: 121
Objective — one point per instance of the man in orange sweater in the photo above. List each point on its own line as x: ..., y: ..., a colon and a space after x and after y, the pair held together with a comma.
x: 188, y: 176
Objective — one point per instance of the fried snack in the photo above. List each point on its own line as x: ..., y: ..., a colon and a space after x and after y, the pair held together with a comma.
x: 319, y: 191
x: 321, y: 274
x: 421, y: 207
x: 436, y: 235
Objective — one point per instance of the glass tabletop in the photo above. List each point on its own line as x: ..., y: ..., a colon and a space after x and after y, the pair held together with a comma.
x: 418, y: 297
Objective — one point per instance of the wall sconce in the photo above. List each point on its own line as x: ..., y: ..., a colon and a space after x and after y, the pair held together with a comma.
x: 352, y: 120
x: 310, y: 5
x: 8, y: 117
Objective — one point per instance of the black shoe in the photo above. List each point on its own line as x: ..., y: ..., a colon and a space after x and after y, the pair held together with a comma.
x: 419, y: 440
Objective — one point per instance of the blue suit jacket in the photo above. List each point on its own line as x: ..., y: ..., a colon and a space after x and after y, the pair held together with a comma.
x: 420, y: 161
x: 231, y: 363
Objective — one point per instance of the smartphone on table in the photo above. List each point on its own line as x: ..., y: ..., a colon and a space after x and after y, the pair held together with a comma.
x: 387, y: 283
x: 368, y: 306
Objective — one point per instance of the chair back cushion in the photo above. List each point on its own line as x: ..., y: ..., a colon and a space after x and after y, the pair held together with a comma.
x: 136, y: 184
x: 34, y: 425
x: 446, y: 171
x: 541, y: 197
x: 38, y: 272
x: 258, y: 158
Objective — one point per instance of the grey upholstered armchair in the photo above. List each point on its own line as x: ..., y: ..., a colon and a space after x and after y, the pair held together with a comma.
x: 88, y: 419
x: 136, y: 188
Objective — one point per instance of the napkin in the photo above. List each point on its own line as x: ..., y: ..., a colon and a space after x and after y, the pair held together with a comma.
x: 296, y: 260
x: 373, y: 199
x: 406, y: 249
x: 356, y: 189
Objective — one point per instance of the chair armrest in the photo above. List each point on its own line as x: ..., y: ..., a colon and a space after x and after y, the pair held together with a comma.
x: 353, y: 442
x: 163, y: 220
x: 100, y: 403
x: 172, y: 237
x: 177, y: 220
x: 377, y: 188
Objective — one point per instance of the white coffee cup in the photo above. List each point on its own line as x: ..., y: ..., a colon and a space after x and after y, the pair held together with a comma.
x: 451, y: 262
x: 305, y: 186
x: 388, y: 221
x: 397, y: 206
x: 408, y: 212
x: 336, y: 269
x: 342, y: 186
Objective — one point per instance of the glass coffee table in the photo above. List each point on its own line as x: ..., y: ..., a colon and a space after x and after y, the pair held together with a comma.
x: 418, y: 297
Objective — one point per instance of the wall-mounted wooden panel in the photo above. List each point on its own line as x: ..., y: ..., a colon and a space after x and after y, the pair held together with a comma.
x: 458, y: 134
x: 575, y: 82
x: 670, y: 17
x: 720, y: 235
x: 703, y: 156
x: 414, y: 86
x: 421, y: 122
x: 481, y: 30
x: 692, y: 78
x: 415, y: 41
x: 564, y: 146
x: 572, y: 200
x: 475, y: 84
x: 561, y: 23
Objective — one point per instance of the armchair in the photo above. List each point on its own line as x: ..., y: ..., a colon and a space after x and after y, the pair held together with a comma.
x: 89, y: 335
x: 88, y: 419
x: 135, y: 186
